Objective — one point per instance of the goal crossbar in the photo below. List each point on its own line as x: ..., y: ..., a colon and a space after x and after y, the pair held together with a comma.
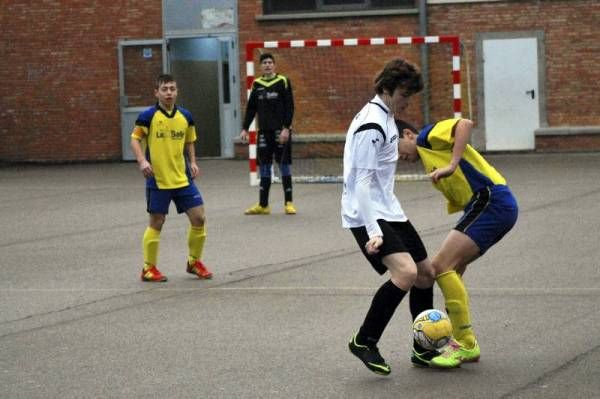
x: 451, y: 40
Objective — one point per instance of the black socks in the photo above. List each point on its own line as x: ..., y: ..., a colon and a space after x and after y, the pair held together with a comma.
x: 386, y: 300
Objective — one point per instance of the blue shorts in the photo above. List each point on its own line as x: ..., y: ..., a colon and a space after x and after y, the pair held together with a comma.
x: 158, y: 201
x: 490, y: 214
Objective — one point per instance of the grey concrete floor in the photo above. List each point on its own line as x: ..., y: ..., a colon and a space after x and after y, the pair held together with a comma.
x: 288, y: 291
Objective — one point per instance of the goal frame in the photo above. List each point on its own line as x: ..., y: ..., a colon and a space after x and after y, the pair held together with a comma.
x: 452, y: 40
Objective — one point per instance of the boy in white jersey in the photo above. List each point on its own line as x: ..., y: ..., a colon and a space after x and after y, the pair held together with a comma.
x: 372, y: 212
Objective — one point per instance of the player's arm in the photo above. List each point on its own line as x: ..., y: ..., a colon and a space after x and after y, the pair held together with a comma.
x: 462, y: 134
x: 191, y: 151
x: 288, y: 103
x: 363, y: 197
x: 365, y: 147
x: 136, y: 147
x: 288, y: 107
x: 250, y: 114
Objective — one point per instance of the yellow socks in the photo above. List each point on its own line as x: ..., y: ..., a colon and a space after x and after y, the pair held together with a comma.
x: 151, y: 240
x: 150, y: 244
x: 457, y: 306
x: 196, y: 238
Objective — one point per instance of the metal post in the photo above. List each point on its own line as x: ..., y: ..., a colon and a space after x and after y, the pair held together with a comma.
x: 424, y: 59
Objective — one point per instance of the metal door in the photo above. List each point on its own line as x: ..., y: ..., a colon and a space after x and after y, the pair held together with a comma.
x: 206, y: 71
x: 140, y: 62
x: 511, y: 93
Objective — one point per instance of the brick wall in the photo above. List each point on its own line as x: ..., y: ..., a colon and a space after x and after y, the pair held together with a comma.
x: 59, y: 100
x: 572, y: 47
x: 572, y: 52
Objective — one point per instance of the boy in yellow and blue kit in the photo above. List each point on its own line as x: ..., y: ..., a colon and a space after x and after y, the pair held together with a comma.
x: 163, y: 135
x: 472, y: 185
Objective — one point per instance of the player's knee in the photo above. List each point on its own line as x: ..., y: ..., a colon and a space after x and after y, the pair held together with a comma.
x: 425, y: 278
x: 425, y: 271
x: 403, y: 273
x: 285, y: 169
x: 198, y: 221
x: 440, y: 265
x: 265, y: 170
x: 157, y: 221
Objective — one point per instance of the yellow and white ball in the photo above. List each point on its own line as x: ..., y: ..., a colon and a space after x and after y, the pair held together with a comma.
x: 432, y: 329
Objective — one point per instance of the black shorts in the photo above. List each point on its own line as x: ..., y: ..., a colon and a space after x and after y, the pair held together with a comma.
x: 397, y: 237
x: 268, y: 146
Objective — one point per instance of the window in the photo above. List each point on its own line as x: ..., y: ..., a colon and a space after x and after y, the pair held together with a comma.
x: 303, y: 6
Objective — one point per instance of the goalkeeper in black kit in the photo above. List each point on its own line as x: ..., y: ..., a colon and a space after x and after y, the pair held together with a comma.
x: 272, y: 100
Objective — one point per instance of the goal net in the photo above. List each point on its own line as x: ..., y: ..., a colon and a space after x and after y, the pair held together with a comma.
x: 333, y: 78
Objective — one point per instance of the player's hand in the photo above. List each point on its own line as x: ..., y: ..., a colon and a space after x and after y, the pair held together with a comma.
x: 244, y: 135
x: 284, y: 136
x: 194, y: 169
x: 372, y: 246
x: 146, y: 168
x: 438, y: 174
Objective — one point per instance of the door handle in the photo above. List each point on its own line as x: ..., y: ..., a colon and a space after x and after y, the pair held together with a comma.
x: 531, y: 93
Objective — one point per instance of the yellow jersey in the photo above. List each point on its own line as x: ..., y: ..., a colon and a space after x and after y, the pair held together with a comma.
x: 473, y: 173
x: 164, y: 135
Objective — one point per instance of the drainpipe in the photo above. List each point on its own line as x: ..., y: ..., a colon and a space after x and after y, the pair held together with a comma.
x: 424, y: 59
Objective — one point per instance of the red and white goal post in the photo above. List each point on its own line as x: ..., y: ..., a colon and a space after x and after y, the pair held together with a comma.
x: 301, y: 67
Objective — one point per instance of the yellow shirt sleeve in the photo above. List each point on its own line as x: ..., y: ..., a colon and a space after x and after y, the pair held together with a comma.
x: 139, y: 132
x: 190, y: 134
x: 442, y: 135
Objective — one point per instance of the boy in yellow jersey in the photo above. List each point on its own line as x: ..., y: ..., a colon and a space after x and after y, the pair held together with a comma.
x: 162, y: 137
x: 470, y: 184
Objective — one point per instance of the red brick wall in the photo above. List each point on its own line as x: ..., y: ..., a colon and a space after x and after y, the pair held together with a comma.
x: 572, y: 52
x: 319, y: 75
x: 59, y: 100
x: 571, y: 49
x: 562, y: 143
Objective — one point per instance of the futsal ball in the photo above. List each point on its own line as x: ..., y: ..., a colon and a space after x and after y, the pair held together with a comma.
x: 432, y: 329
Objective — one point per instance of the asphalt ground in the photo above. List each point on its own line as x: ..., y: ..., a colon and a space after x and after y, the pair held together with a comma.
x: 288, y: 291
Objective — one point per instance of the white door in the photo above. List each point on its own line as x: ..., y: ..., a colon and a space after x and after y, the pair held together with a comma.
x: 229, y: 100
x: 511, y: 93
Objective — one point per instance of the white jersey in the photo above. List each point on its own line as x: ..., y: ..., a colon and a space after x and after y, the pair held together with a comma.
x: 370, y: 157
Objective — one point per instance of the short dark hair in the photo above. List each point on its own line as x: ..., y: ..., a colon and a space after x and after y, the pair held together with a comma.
x: 264, y: 56
x: 399, y: 73
x: 164, y: 78
x: 401, y: 125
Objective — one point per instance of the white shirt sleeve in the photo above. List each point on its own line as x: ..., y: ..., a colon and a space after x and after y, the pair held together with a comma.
x: 366, y: 145
x: 363, y: 197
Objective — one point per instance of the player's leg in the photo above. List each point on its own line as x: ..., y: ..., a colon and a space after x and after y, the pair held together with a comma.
x: 421, y: 299
x: 189, y: 200
x: 421, y: 293
x: 457, y: 251
x: 283, y: 156
x: 394, y: 257
x: 265, y: 148
x: 157, y: 205
x: 492, y: 213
